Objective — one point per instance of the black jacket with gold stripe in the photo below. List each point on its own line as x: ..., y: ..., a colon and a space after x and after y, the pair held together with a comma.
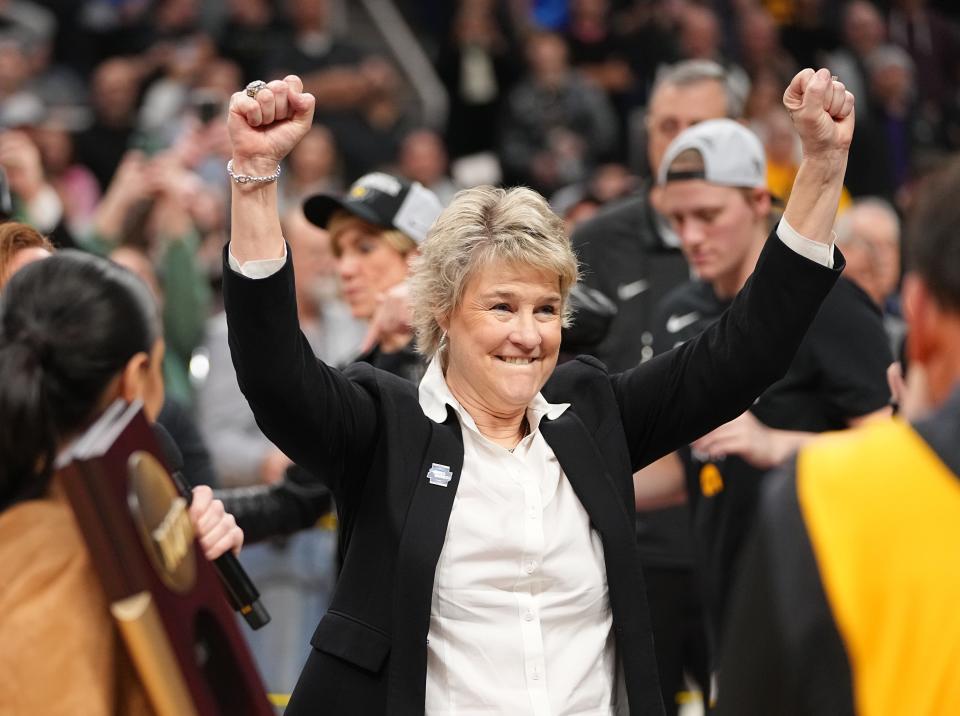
x: 848, y: 594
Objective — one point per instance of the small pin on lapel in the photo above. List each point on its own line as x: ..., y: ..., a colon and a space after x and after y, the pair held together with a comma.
x: 439, y: 474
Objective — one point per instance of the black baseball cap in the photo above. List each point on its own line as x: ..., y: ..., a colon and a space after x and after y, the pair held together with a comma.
x: 384, y: 200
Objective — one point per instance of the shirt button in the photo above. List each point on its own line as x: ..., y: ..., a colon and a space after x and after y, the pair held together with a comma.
x: 528, y: 617
x: 532, y: 512
x: 531, y: 567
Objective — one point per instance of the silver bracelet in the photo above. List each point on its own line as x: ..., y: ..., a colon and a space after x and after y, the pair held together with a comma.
x: 247, y: 179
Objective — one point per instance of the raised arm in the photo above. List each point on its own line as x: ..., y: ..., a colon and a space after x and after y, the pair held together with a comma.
x: 822, y: 113
x: 263, y: 129
x: 683, y: 394
x: 312, y: 412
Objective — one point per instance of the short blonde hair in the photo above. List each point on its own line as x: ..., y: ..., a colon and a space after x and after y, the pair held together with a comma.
x: 481, y: 226
x: 394, y: 238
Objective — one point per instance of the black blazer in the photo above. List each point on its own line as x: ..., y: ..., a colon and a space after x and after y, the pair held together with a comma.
x: 363, y: 431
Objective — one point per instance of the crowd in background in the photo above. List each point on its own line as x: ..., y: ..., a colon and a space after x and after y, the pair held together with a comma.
x: 113, y: 138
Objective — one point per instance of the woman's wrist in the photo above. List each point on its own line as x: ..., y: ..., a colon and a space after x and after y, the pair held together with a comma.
x: 254, y: 166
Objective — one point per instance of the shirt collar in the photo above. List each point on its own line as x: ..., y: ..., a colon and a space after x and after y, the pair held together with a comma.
x: 435, y: 396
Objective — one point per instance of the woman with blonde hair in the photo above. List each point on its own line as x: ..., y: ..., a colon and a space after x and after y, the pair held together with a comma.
x: 376, y: 231
x: 489, y: 558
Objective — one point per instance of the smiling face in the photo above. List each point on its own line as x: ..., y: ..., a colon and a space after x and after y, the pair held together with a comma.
x: 504, y: 337
x: 367, y: 265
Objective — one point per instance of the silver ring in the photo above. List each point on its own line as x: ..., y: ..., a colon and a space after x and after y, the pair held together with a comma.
x: 834, y: 78
x: 255, y: 87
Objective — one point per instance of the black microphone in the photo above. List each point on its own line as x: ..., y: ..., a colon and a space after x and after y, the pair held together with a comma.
x: 241, y: 592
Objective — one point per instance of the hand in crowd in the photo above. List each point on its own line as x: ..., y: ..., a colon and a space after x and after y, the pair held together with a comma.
x: 130, y: 182
x: 274, y: 466
x: 747, y: 438
x: 263, y: 129
x: 216, y: 528
x: 201, y: 140
x: 20, y: 158
x: 390, y: 327
x: 822, y: 112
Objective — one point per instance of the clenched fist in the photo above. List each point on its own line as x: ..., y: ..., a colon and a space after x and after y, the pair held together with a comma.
x: 264, y: 128
x: 822, y: 112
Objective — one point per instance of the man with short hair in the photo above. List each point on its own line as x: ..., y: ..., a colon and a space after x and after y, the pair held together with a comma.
x: 713, y: 179
x: 848, y: 592
x: 869, y: 235
x: 630, y: 255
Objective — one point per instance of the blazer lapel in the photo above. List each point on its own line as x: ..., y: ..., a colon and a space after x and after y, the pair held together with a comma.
x: 420, y: 544
x: 583, y: 465
x: 586, y: 470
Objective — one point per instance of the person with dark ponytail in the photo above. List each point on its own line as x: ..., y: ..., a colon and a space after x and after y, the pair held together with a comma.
x: 76, y: 333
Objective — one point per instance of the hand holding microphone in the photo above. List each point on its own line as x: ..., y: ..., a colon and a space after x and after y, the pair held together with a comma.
x: 220, y: 537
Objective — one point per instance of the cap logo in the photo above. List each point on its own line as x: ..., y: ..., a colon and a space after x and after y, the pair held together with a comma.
x: 375, y: 182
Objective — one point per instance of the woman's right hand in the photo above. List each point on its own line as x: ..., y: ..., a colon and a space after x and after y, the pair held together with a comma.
x: 215, y: 528
x: 263, y: 129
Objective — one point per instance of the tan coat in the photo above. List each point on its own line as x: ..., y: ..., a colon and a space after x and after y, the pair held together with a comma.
x: 59, y: 650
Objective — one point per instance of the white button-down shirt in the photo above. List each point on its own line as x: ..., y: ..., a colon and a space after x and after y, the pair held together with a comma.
x: 520, y: 621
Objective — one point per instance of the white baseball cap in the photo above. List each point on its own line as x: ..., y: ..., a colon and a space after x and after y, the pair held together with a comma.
x: 732, y: 155
x: 384, y: 200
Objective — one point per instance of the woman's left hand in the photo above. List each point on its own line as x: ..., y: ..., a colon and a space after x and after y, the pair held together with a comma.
x: 216, y: 528
x: 264, y: 128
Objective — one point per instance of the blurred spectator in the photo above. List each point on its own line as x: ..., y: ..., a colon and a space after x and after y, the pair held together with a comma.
x: 869, y: 236
x: 607, y: 183
x: 115, y: 92
x: 863, y: 31
x: 933, y: 43
x: 328, y: 65
x: 311, y: 168
x: 701, y: 39
x: 556, y: 126
x: 811, y: 33
x: 477, y: 67
x: 765, y: 96
x: 35, y: 200
x: 595, y: 49
x: 893, y: 109
x: 880, y: 154
x: 74, y: 183
x: 760, y: 47
x: 146, y: 207
x: 369, y: 135
x: 423, y: 158
x: 167, y: 97
x: 14, y: 68
x: 20, y: 244
x: 28, y: 21
x: 174, y: 19
x: 783, y: 152
x: 649, y: 32
x: 252, y: 32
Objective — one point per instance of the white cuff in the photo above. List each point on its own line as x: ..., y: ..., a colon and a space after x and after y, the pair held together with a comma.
x: 808, y: 248
x: 258, y: 268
